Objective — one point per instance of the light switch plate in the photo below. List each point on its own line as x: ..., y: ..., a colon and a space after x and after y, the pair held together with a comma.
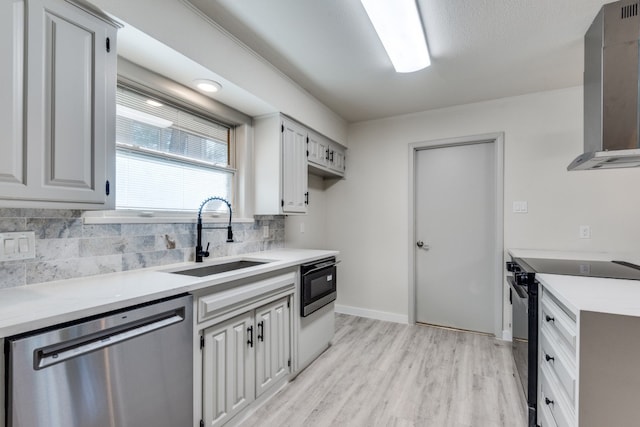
x: 17, y: 245
x: 520, y: 207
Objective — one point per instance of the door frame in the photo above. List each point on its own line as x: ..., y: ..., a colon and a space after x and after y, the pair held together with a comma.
x: 498, y: 140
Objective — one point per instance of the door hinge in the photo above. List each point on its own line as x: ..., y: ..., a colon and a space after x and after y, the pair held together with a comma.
x: 201, y: 423
x: 282, y: 203
x: 307, y: 153
x: 108, y: 44
x: 282, y: 128
x: 107, y: 188
x: 201, y: 341
x: 289, y: 363
x: 288, y: 303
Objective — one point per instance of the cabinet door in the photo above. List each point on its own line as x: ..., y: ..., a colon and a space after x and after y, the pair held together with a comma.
x: 12, y: 140
x: 228, y: 369
x: 71, y: 81
x: 337, y: 158
x: 318, y: 149
x: 272, y: 350
x: 294, y: 168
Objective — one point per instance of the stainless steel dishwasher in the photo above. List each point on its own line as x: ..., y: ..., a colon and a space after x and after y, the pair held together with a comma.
x: 130, y: 368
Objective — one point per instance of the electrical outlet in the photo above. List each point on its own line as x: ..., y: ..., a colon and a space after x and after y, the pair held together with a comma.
x: 585, y: 232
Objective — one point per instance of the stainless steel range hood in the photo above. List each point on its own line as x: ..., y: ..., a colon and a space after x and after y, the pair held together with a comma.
x: 611, y: 110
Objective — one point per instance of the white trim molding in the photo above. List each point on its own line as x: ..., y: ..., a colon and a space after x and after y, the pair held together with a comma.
x: 372, y: 314
x: 498, y: 140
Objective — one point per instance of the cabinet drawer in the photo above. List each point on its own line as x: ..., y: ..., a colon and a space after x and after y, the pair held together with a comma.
x: 218, y: 303
x: 559, y: 363
x: 552, y: 399
x: 558, y: 321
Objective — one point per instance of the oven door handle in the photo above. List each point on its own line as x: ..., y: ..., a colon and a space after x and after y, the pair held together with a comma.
x: 322, y: 267
x: 521, y: 293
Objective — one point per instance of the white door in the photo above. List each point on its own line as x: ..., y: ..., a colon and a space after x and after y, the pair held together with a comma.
x: 455, y: 190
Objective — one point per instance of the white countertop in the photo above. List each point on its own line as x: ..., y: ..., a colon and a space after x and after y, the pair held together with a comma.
x: 614, y: 296
x: 31, y: 307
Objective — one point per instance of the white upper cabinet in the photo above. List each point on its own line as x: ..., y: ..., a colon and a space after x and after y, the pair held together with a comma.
x: 13, y: 138
x: 294, y: 168
x: 326, y: 158
x: 281, y: 166
x: 68, y: 156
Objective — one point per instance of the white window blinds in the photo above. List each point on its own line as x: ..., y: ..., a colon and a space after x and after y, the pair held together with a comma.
x: 168, y: 158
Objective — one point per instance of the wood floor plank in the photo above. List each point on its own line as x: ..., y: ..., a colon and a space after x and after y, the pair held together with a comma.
x: 386, y: 374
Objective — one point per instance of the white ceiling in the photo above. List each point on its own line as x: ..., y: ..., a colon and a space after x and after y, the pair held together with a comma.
x: 481, y: 49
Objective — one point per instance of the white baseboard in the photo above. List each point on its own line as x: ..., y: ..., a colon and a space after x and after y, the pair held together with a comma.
x: 372, y: 314
x: 506, y: 335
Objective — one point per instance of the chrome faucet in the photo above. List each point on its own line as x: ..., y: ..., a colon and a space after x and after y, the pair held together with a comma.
x: 205, y: 253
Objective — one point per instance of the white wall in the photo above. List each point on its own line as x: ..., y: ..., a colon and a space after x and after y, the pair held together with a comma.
x: 313, y: 223
x: 185, y: 30
x: 368, y: 219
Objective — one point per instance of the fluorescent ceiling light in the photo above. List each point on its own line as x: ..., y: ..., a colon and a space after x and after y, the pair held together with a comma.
x: 141, y: 116
x: 400, y: 29
x: 208, y: 85
x: 153, y: 103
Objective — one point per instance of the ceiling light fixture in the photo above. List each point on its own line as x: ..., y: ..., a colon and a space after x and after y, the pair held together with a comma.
x: 208, y: 85
x: 153, y: 103
x: 400, y: 30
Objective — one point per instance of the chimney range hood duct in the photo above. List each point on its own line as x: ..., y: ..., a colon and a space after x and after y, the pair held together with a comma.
x: 611, y: 109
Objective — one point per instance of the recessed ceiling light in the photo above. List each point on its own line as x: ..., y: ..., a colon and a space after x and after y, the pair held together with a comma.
x: 400, y: 29
x: 154, y: 103
x: 208, y: 85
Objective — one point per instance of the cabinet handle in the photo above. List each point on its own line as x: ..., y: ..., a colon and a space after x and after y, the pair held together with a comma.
x: 549, y: 358
x: 331, y: 160
x: 261, y: 331
x: 327, y: 155
x: 548, y: 401
x: 306, y: 198
x: 549, y: 318
x: 250, y: 332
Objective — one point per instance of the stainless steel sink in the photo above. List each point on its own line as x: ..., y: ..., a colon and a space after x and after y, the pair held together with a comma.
x: 219, y: 268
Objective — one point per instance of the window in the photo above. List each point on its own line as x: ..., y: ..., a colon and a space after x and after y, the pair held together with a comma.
x: 168, y: 158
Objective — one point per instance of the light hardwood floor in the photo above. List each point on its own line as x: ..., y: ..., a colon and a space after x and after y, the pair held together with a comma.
x: 387, y: 374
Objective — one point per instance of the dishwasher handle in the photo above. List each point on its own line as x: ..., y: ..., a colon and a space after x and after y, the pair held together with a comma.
x: 60, y: 352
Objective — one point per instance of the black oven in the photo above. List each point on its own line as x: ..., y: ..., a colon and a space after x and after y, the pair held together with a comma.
x: 318, y: 285
x: 523, y: 294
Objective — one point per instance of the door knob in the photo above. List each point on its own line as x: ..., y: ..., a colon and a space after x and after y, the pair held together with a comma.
x: 421, y: 245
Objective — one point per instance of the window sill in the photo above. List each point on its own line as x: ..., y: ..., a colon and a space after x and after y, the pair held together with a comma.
x: 133, y: 217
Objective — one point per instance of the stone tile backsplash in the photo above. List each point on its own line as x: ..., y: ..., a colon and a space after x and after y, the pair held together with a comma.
x: 67, y: 248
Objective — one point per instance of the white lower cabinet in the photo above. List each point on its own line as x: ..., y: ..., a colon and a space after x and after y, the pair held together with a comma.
x: 588, y: 372
x: 272, y: 345
x: 228, y: 369
x: 243, y: 357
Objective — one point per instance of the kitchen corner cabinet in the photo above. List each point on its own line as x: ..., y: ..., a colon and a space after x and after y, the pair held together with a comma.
x: 588, y: 366
x: 281, y: 166
x: 326, y: 158
x: 58, y: 111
